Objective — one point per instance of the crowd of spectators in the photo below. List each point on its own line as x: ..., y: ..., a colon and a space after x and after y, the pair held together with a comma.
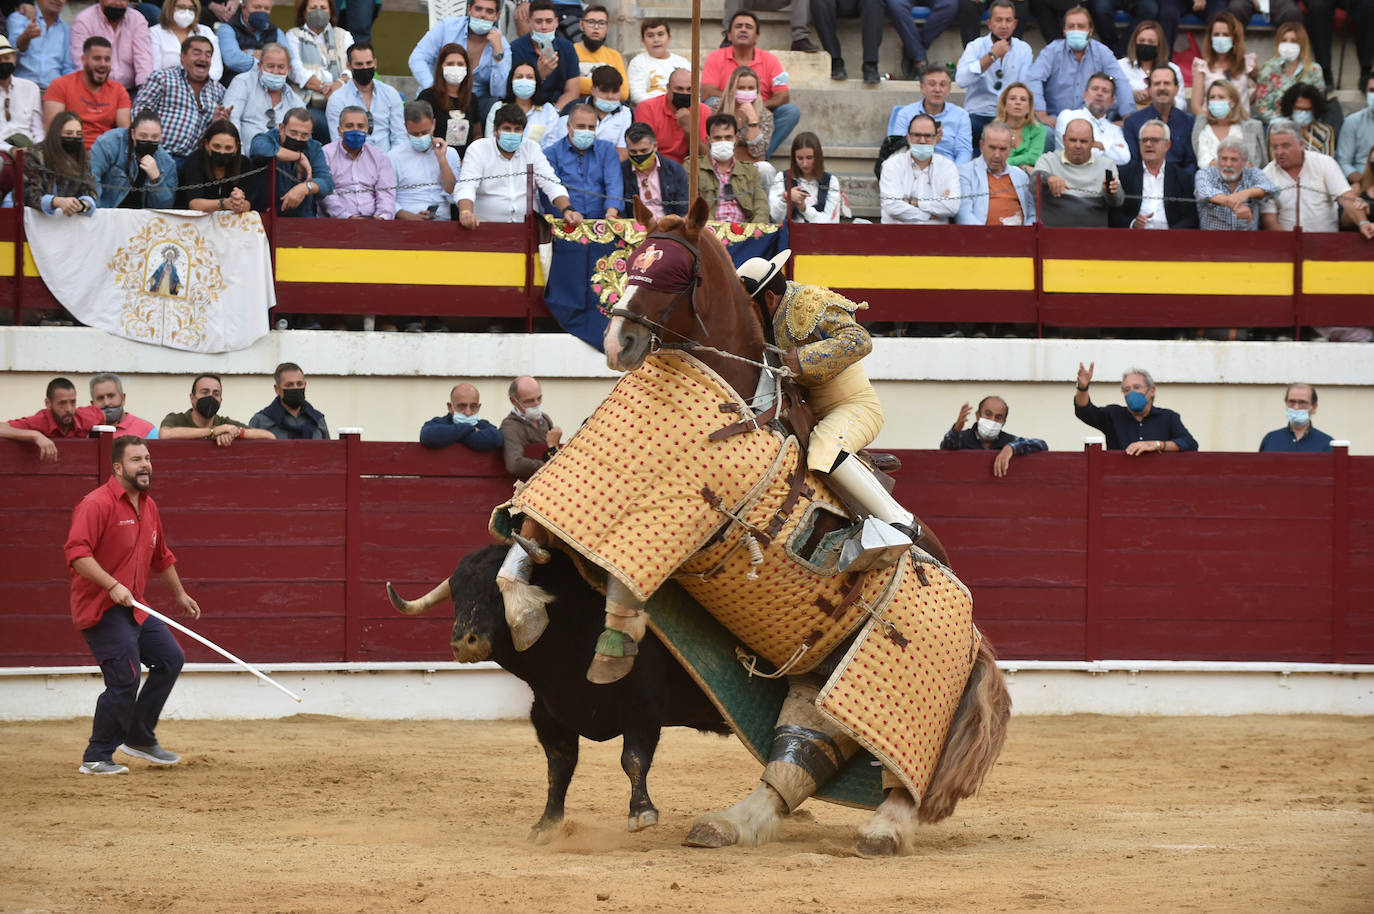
x: 212, y: 107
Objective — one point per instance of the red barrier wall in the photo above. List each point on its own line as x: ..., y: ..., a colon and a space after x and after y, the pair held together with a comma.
x: 1075, y: 556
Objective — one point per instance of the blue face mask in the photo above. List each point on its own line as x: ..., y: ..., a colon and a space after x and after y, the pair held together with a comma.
x: 1135, y: 402
x: 607, y: 105
x: 479, y: 26
x: 421, y: 143
x: 583, y: 139
x: 1077, y: 39
x: 508, y: 141
x: 272, y: 82
x: 543, y: 39
x: 460, y: 419
x: 1299, y: 417
x: 1302, y: 117
x: 523, y: 88
x: 259, y: 21
x: 354, y: 139
x: 1221, y: 44
x: 1219, y: 108
x: 1369, y: 99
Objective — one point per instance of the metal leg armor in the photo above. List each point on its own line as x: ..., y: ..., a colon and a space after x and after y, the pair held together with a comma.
x: 807, y: 749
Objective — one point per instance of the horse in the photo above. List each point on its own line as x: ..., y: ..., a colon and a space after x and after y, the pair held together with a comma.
x: 725, y: 330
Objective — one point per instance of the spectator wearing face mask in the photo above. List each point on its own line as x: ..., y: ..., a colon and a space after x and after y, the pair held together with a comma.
x: 131, y: 59
x: 1299, y: 436
x: 528, y: 436
x: 243, y: 38
x: 660, y: 183
x: 132, y: 169
x: 919, y: 186
x: 553, y: 56
x: 732, y: 189
x: 494, y: 183
x: 669, y: 116
x: 383, y: 104
x: 1306, y: 106
x: 290, y: 415
x: 257, y: 101
x: 1291, y: 66
x: 364, y: 178
x: 462, y: 424
x: 588, y: 167
x: 488, y: 56
x: 523, y: 91
x: 612, y: 118
x: 107, y: 395
x: 1060, y: 75
x: 203, y: 420
x: 987, y: 434
x: 1139, y: 427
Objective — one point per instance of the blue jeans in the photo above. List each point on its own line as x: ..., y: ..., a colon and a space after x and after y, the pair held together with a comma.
x: 358, y: 16
x: 123, y: 713
x: 785, y: 120
x: 915, y: 42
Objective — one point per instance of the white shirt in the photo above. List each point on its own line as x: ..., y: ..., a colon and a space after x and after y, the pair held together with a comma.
x: 251, y: 103
x: 610, y: 128
x: 1322, y: 181
x: 26, y: 112
x: 1152, y: 198
x: 333, y: 36
x: 496, y: 184
x: 385, y: 114
x: 1139, y: 78
x: 1104, y: 131
x: 649, y: 75
x: 835, y: 203
x: 167, y: 49
x: 935, y: 190
x: 417, y: 180
x: 540, y: 123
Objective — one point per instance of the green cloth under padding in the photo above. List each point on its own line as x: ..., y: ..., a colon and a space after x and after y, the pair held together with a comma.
x: 750, y: 704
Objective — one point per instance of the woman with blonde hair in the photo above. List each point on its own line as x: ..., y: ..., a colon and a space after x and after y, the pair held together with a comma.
x: 1223, y: 57
x: 1292, y: 65
x: 1222, y: 118
x: 1014, y: 108
x: 1147, y: 49
x: 742, y: 101
x: 178, y: 22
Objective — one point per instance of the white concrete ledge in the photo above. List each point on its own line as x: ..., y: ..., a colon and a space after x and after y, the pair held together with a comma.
x: 82, y: 350
x: 452, y: 691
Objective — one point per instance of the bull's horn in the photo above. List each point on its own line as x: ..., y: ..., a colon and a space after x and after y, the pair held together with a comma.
x: 413, y: 607
x: 537, y: 553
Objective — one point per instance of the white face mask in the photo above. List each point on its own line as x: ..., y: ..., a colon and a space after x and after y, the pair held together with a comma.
x: 722, y: 150
x: 988, y: 430
x: 184, y: 18
x: 534, y: 413
x: 1289, y: 50
x: 454, y: 76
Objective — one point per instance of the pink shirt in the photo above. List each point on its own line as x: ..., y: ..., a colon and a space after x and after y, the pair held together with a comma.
x: 727, y: 210
x: 132, y: 46
x: 721, y: 62
x: 650, y: 194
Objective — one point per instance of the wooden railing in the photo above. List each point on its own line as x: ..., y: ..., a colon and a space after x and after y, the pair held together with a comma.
x: 1074, y: 556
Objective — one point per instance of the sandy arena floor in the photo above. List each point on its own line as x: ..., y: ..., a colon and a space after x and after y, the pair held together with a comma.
x: 316, y: 814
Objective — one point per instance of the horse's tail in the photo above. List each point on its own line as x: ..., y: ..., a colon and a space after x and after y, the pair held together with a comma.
x: 975, y: 738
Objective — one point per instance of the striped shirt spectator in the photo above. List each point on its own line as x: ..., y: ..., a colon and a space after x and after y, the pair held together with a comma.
x: 185, y: 98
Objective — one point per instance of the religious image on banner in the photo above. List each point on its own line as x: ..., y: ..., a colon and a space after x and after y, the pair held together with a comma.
x: 195, y: 281
x: 587, y: 277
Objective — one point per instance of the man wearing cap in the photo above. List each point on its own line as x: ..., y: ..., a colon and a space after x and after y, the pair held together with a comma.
x: 823, y: 345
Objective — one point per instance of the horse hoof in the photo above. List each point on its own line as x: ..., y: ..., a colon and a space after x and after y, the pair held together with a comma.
x: 646, y: 819
x: 711, y: 834
x: 605, y: 670
x: 528, y: 626
x: 544, y: 832
x: 877, y: 845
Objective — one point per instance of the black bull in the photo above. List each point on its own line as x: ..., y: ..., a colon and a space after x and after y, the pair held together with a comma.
x: 658, y: 692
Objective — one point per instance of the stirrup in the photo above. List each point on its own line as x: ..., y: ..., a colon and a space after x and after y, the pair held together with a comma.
x: 878, y: 544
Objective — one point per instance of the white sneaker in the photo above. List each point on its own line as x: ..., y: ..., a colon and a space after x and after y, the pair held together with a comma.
x: 102, y: 768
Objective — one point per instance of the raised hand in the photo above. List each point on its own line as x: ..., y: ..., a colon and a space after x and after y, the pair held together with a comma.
x: 964, y: 412
x: 1085, y: 375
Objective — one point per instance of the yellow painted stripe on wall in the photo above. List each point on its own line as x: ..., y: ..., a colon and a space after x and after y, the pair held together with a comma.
x: 1336, y: 277
x: 1167, y: 277
x: 6, y: 258
x: 30, y: 268
x: 395, y: 267
x: 898, y: 271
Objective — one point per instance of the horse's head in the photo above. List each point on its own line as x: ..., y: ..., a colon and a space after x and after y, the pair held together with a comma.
x: 662, y: 295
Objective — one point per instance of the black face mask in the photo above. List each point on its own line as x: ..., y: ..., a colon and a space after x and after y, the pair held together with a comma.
x: 208, y: 407
x: 294, y: 397
x: 6, y: 70
x: 593, y: 44
x: 72, y: 145
x: 1145, y: 53
x: 144, y: 148
x: 293, y: 144
x: 363, y: 75
x: 682, y: 99
x: 114, y: 13
x: 222, y: 159
x: 642, y: 158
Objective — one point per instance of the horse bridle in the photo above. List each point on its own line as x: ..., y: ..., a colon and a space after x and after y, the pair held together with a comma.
x: 690, y: 291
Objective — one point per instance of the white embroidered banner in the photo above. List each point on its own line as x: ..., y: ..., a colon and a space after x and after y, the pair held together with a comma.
x: 185, y: 280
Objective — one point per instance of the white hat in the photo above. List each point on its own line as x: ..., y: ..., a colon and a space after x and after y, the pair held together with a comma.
x: 756, y: 272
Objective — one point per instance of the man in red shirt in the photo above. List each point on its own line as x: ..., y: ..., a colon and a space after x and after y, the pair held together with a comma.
x: 89, y: 93
x: 743, y: 51
x: 107, y: 395
x: 60, y: 417
x: 115, y: 540
x: 669, y: 115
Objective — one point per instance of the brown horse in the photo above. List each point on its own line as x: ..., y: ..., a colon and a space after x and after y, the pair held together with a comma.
x: 703, y: 308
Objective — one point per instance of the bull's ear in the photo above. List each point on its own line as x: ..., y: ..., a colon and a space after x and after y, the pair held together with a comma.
x: 643, y: 216
x: 696, y: 218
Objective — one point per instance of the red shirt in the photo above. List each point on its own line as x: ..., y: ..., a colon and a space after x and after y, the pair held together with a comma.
x: 721, y: 62
x: 128, y: 424
x: 86, y: 418
x: 127, y: 543
x: 96, y: 109
x: 659, y: 114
